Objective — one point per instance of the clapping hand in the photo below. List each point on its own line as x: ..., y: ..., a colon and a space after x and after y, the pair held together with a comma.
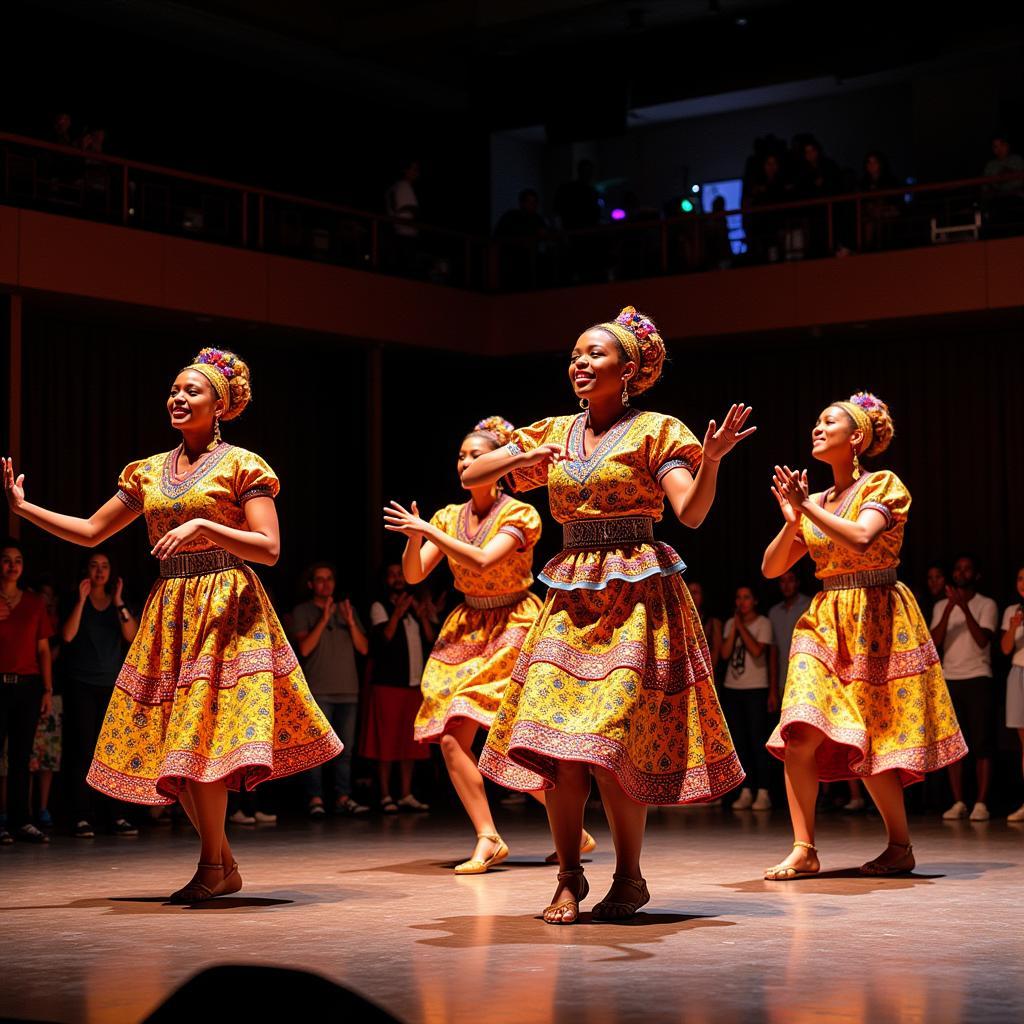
x: 84, y: 590
x: 402, y: 520
x: 792, y: 487
x: 719, y: 441
x: 784, y: 496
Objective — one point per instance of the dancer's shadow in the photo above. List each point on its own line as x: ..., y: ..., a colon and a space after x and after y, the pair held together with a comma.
x: 432, y: 867
x: 135, y: 905
x: 644, y: 929
x: 840, y: 882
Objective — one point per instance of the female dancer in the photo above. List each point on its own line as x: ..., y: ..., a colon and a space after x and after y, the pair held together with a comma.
x: 210, y: 697
x: 865, y: 698
x: 615, y: 676
x: 489, y: 544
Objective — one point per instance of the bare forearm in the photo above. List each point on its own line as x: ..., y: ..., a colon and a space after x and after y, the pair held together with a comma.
x: 86, y: 532
x: 754, y: 646
x: 249, y: 545
x: 412, y: 560
x: 699, y: 498
x: 359, y: 639
x: 72, y: 623
x: 855, y: 535
x: 1006, y: 642
x: 308, y: 641
x: 783, y: 552
x: 939, y: 629
x: 982, y: 637
x: 490, y: 468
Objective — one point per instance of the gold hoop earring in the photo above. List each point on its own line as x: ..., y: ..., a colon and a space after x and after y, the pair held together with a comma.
x: 625, y: 392
x: 584, y: 404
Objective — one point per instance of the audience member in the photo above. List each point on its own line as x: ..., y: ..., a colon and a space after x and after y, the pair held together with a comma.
x: 1004, y: 200
x: 717, y: 247
x: 935, y: 586
x: 1012, y: 645
x: 816, y: 177
x: 577, y: 208
x: 764, y: 230
x: 62, y: 129
x: 402, y: 204
x: 750, y: 694
x: 783, y: 618
x: 522, y: 232
x: 712, y: 626
x: 47, y: 748
x: 328, y: 634
x: 96, y: 632
x: 962, y: 626
x: 879, y: 212
x: 26, y: 687
x: 401, y: 631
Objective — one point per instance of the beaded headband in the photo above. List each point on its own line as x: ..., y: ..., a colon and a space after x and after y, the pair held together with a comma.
x: 860, y: 417
x: 218, y: 368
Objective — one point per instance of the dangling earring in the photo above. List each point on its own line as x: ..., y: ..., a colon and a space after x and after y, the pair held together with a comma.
x: 625, y: 392
x: 856, y: 465
x: 584, y: 404
x: 216, y: 431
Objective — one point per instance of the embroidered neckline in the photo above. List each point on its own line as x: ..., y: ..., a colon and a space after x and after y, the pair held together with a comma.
x: 174, y: 486
x: 579, y: 466
x: 847, y: 498
x: 462, y: 530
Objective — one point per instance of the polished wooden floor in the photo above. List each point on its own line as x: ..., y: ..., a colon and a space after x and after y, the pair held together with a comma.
x: 373, y: 905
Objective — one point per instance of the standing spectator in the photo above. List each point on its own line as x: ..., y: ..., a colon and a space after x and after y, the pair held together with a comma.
x: 764, y: 230
x: 717, y: 247
x: 1004, y: 199
x: 26, y: 687
x: 712, y: 626
x: 935, y: 581
x: 878, y: 213
x: 328, y: 633
x: 817, y: 177
x: 47, y: 748
x: 96, y: 632
x: 783, y: 618
x: 62, y: 129
x: 521, y: 233
x: 401, y: 631
x: 962, y: 626
x: 402, y: 203
x: 1012, y: 644
x: 750, y: 694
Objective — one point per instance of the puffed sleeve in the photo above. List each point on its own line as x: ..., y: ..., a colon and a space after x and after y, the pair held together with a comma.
x: 444, y: 519
x: 885, y: 492
x: 674, y: 447
x: 522, y: 522
x: 129, y: 487
x: 254, y: 479
x: 526, y: 439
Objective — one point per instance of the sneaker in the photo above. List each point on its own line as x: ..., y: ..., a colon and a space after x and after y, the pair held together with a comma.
x: 45, y: 819
x: 855, y: 805
x: 980, y: 812
x: 956, y: 812
x: 410, y: 803
x: 83, y: 830
x: 317, y: 810
x: 346, y: 805
x: 1018, y: 815
x: 262, y: 818
x: 745, y: 800
x: 30, y: 834
x: 241, y: 818
x: 123, y: 827
x: 763, y: 801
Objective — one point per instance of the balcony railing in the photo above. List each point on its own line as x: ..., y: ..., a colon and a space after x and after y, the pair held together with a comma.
x: 61, y: 179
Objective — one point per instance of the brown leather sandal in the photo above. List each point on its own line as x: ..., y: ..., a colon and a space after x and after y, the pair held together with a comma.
x: 643, y: 896
x: 572, y: 904
x: 903, y: 866
x: 230, y: 883
x: 196, y: 892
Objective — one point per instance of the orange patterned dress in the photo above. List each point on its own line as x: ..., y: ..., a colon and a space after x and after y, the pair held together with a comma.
x: 469, y: 667
x: 862, y: 666
x: 210, y: 689
x: 616, y: 671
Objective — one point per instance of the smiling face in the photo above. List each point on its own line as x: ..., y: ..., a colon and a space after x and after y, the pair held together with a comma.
x: 193, y: 403
x: 99, y: 570
x: 597, y: 366
x: 12, y: 564
x: 835, y: 437
x: 473, y: 446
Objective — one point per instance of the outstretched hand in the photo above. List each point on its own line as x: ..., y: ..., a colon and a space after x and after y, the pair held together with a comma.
x: 719, y: 441
x: 14, y: 487
x: 402, y: 520
x: 792, y: 487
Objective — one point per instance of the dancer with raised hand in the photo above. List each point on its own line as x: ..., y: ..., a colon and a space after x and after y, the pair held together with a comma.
x: 615, y: 677
x: 865, y: 697
x: 211, y: 696
x: 489, y: 543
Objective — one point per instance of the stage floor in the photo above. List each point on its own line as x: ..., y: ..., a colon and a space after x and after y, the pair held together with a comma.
x: 373, y: 906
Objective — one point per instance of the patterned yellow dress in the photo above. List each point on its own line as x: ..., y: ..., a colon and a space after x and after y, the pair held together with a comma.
x: 210, y: 689
x: 616, y: 671
x: 469, y: 667
x: 862, y: 666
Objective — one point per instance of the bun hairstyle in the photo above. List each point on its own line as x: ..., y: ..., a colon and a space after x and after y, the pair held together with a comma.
x: 228, y: 374
x: 640, y: 343
x: 871, y: 415
x: 495, y: 429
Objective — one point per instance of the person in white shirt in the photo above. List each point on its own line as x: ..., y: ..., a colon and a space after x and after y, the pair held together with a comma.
x: 962, y: 627
x: 751, y: 693
x: 1012, y: 644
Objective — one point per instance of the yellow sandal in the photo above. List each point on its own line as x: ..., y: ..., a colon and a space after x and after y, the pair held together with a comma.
x: 786, y: 873
x: 478, y: 867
